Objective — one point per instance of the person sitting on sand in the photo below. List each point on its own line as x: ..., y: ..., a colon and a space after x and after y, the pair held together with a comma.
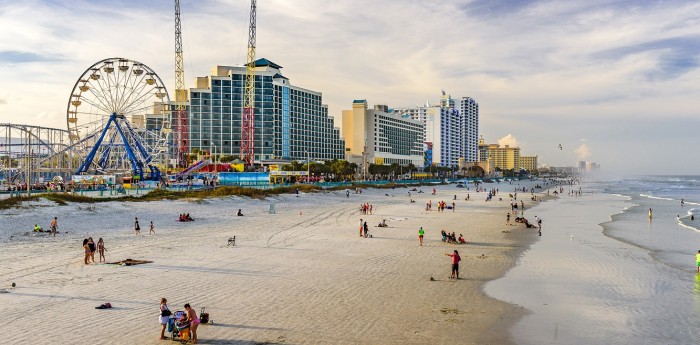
x: 461, y: 239
x: 444, y: 236
x: 239, y: 213
x: 383, y: 224
x: 37, y: 228
x: 188, y: 218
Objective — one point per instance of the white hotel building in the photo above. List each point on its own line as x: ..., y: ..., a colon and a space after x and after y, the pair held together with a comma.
x: 385, y: 137
x: 451, y: 132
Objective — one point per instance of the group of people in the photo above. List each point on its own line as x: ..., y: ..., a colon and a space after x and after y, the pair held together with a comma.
x: 185, y: 217
x: 189, y: 320
x: 137, y: 227
x: 538, y: 223
x: 53, y: 225
x: 441, y: 206
x: 364, y: 229
x: 452, y: 238
x: 366, y: 208
x: 89, y: 247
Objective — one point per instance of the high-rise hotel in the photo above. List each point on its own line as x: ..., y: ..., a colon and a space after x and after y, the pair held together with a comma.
x: 451, y: 131
x: 291, y: 123
x: 383, y: 136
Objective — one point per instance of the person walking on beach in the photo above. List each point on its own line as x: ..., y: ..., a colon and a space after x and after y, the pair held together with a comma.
x: 54, y: 226
x: 101, y: 249
x: 152, y: 229
x: 455, y: 264
x: 365, y: 228
x: 164, y: 317
x: 421, y: 233
x: 137, y: 228
x: 362, y: 227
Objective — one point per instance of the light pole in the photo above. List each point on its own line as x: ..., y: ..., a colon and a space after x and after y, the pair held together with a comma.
x: 308, y: 167
x: 216, y: 171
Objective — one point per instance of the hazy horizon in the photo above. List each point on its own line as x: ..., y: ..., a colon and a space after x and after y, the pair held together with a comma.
x: 611, y: 81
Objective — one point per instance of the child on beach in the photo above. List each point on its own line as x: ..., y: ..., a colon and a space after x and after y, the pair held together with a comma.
x: 421, y: 233
x: 101, y: 249
x: 697, y: 260
x: 152, y: 229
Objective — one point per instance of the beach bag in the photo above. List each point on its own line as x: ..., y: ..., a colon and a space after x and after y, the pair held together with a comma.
x: 203, y: 317
x: 171, y: 325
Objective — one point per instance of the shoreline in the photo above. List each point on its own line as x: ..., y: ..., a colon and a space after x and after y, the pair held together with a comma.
x: 287, y: 276
x: 584, y: 285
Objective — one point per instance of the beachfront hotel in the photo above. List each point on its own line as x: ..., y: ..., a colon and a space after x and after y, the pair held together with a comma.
x: 384, y: 136
x: 528, y: 163
x: 502, y: 157
x: 291, y: 123
x: 451, y: 132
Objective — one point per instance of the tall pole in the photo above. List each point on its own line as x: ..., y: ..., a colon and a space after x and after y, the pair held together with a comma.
x: 213, y: 158
x: 181, y: 128
x: 308, y: 167
x: 248, y: 118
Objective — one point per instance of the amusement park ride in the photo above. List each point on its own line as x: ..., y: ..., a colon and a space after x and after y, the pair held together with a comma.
x: 119, y: 120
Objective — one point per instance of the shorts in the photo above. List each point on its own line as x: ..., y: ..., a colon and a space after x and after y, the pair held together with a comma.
x: 163, y: 319
x: 698, y: 263
x: 420, y: 236
x: 455, y: 267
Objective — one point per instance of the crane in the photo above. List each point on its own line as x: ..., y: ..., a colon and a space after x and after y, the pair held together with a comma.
x: 248, y: 118
x: 181, y: 130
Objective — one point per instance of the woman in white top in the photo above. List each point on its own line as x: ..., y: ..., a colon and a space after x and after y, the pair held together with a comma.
x: 163, y: 319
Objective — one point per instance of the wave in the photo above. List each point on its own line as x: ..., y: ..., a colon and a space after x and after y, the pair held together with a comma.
x: 655, y: 197
x: 626, y: 197
x: 681, y: 223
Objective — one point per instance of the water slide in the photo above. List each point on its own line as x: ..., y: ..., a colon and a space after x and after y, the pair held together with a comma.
x: 192, y: 168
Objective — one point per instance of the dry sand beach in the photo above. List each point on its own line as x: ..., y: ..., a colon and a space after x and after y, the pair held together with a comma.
x: 300, y: 276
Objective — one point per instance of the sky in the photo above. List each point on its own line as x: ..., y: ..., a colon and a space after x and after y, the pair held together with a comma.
x: 613, y: 82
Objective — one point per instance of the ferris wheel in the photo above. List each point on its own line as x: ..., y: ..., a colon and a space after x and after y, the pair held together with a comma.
x: 119, y: 119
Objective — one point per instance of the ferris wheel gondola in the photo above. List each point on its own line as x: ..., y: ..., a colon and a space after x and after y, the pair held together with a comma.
x: 119, y: 117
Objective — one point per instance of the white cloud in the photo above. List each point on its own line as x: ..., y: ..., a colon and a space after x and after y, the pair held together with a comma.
x: 545, y: 71
x: 583, y: 152
x: 508, y: 140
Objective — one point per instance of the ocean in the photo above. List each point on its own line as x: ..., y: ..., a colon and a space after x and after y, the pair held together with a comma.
x: 604, y: 272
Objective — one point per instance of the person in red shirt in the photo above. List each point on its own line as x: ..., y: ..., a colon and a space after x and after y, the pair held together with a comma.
x: 455, y: 264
